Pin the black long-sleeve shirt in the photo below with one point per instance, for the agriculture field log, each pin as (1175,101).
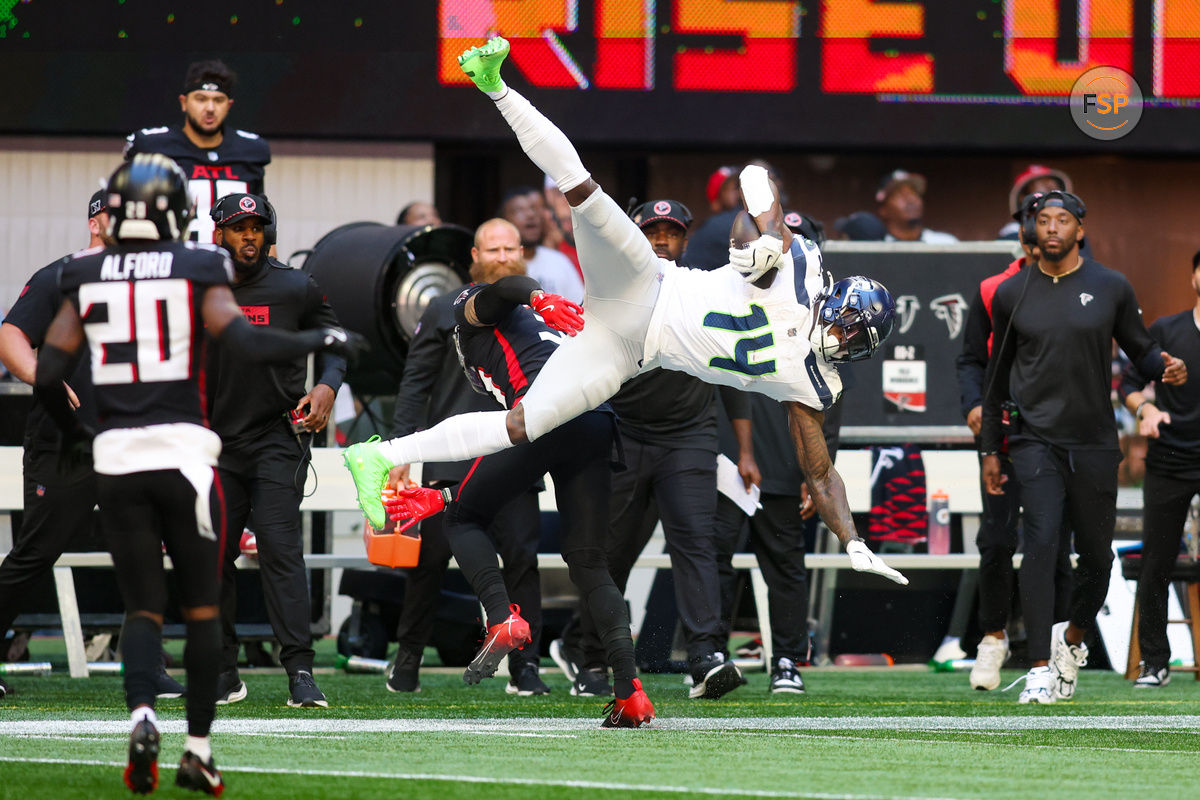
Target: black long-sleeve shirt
(433,386)
(1176,451)
(248,400)
(971,363)
(1056,362)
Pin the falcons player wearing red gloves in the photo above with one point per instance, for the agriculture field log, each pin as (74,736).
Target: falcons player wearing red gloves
(504,336)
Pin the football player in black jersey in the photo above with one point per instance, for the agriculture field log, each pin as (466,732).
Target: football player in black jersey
(264,461)
(216,161)
(506,332)
(140,310)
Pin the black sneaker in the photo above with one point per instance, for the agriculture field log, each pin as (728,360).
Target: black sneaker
(565,658)
(199,776)
(166,687)
(141,775)
(3,688)
(592,683)
(304,691)
(1152,677)
(403,676)
(230,688)
(713,677)
(785,678)
(526,682)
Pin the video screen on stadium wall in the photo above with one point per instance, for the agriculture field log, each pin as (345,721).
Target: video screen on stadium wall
(965,74)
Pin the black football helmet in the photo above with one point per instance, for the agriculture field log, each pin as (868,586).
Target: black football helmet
(148,199)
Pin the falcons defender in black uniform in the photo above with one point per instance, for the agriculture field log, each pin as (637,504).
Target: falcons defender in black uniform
(216,164)
(141,308)
(504,337)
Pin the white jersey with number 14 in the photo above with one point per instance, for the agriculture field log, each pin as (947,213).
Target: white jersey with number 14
(716,326)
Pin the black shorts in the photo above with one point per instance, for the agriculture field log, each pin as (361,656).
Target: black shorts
(139,514)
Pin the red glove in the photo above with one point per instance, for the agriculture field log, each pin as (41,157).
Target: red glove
(558,312)
(415,504)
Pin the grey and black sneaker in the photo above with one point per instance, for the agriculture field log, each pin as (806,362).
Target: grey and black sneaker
(713,677)
(166,687)
(141,774)
(525,681)
(1152,677)
(785,678)
(592,683)
(304,691)
(404,675)
(565,658)
(199,776)
(230,688)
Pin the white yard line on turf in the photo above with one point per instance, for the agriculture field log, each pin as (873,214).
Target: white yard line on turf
(491,779)
(876,739)
(325,725)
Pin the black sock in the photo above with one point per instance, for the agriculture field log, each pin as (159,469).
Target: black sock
(623,688)
(141,645)
(202,657)
(476,557)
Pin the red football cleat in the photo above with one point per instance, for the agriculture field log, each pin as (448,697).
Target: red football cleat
(502,638)
(141,775)
(632,712)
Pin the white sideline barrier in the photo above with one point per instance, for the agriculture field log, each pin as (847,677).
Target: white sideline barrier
(956,472)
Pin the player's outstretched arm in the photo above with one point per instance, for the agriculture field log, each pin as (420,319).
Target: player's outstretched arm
(827,490)
(225,323)
(756,257)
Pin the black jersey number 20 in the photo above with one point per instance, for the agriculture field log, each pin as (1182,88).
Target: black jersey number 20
(155,316)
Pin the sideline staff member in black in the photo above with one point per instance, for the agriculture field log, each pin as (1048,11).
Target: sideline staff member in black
(264,463)
(1054,326)
(1172,423)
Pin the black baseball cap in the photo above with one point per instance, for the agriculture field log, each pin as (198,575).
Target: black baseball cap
(808,227)
(97,204)
(658,210)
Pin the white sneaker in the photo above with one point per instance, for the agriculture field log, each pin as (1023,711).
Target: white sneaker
(1039,686)
(1066,659)
(993,652)
(949,650)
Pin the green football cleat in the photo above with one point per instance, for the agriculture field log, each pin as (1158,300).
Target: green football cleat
(370,469)
(482,64)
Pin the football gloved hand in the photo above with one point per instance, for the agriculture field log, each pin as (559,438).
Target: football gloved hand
(347,344)
(863,560)
(757,258)
(410,506)
(558,312)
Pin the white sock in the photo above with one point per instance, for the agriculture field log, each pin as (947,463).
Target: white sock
(200,746)
(456,438)
(143,712)
(542,141)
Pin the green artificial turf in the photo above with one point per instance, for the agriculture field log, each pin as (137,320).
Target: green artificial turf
(856,735)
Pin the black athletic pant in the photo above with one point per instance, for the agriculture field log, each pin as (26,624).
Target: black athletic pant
(1165,502)
(682,482)
(578,456)
(268,482)
(58,509)
(516,530)
(776,536)
(140,513)
(1082,484)
(997,541)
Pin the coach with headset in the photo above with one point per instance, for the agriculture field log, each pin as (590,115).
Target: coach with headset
(266,419)
(1054,325)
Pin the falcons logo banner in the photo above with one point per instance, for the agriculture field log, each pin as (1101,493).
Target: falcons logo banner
(907,306)
(951,309)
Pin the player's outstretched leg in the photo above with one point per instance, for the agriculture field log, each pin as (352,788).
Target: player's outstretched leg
(482,64)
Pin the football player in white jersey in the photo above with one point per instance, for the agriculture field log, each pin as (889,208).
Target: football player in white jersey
(767,322)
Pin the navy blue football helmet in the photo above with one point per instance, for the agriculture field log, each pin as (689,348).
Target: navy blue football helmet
(864,313)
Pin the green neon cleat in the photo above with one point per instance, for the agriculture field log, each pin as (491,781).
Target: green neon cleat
(370,469)
(482,64)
